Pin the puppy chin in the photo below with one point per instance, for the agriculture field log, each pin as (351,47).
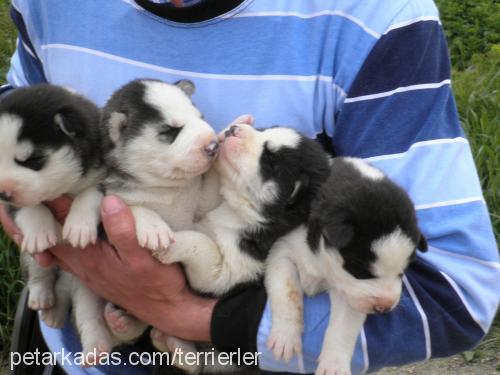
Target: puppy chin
(195,169)
(25,201)
(226,163)
(363,305)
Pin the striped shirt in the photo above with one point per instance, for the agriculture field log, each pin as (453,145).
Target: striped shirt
(370,78)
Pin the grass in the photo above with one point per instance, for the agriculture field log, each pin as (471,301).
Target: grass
(477,91)
(472,28)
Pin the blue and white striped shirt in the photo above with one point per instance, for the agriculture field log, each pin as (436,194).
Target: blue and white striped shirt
(371,76)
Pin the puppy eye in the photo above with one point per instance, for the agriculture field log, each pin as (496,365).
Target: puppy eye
(400,275)
(35,162)
(169,134)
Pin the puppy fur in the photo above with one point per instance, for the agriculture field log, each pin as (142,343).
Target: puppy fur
(360,237)
(50,144)
(160,150)
(268,181)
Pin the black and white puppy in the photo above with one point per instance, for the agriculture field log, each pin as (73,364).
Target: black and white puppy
(50,145)
(160,149)
(268,181)
(361,235)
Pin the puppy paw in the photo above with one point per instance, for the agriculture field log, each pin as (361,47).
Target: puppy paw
(40,298)
(153,233)
(123,325)
(333,366)
(80,232)
(39,239)
(167,343)
(167,256)
(95,350)
(54,317)
(285,340)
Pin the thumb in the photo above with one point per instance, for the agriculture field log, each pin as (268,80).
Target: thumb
(119,225)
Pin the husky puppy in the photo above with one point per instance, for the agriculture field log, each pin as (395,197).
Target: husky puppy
(361,235)
(160,149)
(268,180)
(50,145)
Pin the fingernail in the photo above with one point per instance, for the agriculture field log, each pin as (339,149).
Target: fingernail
(112,205)
(18,239)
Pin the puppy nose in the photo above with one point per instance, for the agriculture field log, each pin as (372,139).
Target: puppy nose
(234,130)
(381,309)
(6,196)
(211,149)
(383,305)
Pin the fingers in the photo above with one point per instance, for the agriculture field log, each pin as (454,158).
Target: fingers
(44,259)
(60,207)
(120,228)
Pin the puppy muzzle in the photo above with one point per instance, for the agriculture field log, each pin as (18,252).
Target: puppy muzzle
(6,196)
(212,149)
(233,131)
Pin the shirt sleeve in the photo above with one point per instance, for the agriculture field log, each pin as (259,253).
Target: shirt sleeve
(400,115)
(25,66)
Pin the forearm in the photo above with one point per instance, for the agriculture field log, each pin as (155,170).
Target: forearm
(191,320)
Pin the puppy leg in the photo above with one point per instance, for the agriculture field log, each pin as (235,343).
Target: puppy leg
(40,283)
(80,227)
(286,299)
(89,320)
(125,327)
(340,337)
(39,227)
(179,351)
(200,256)
(56,315)
(152,231)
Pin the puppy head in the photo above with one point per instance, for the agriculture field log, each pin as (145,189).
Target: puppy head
(271,171)
(46,136)
(365,228)
(157,134)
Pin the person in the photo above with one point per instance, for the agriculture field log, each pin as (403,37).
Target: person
(365,78)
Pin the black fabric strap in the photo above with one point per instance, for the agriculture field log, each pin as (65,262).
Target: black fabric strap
(236,318)
(198,12)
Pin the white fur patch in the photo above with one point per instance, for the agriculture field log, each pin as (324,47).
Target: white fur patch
(365,169)
(280,137)
(23,150)
(10,125)
(171,101)
(393,252)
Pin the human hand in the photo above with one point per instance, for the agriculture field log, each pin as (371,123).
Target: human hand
(130,277)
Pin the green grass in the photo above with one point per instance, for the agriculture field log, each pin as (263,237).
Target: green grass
(477,92)
(473,31)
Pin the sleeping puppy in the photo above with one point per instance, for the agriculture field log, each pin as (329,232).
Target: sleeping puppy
(160,150)
(268,180)
(360,237)
(50,145)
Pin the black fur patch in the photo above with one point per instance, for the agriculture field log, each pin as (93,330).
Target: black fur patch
(38,106)
(129,100)
(307,164)
(351,211)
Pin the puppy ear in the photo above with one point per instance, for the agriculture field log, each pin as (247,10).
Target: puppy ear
(422,243)
(69,120)
(338,233)
(116,123)
(243,119)
(299,189)
(187,86)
